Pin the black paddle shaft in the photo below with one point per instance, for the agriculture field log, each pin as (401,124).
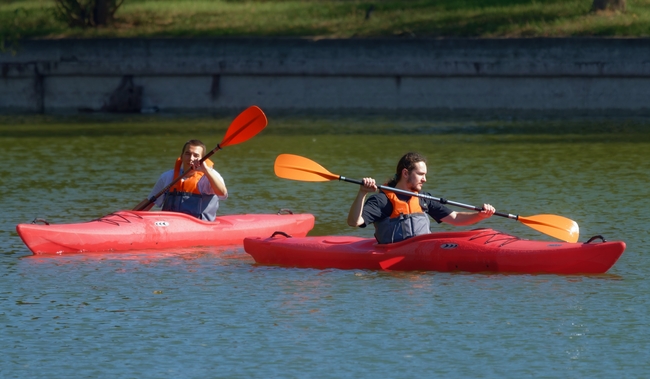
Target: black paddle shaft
(440,200)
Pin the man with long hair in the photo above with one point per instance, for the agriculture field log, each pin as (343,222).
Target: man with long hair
(397,217)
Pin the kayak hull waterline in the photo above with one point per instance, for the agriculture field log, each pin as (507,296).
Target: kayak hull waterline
(139,230)
(479,250)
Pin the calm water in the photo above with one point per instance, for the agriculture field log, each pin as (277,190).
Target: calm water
(210,312)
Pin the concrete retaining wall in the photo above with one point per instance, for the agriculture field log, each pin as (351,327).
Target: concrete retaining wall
(212,75)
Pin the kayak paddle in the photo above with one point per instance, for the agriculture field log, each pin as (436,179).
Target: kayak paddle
(295,167)
(244,127)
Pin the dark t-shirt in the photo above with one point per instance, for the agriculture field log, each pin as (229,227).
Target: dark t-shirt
(378,207)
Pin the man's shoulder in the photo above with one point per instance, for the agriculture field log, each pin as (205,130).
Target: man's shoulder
(379,201)
(166,176)
(429,201)
(379,197)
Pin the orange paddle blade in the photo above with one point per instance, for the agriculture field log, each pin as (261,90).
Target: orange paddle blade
(295,167)
(245,126)
(556,226)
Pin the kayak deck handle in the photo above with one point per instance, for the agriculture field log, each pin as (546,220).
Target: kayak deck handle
(279,232)
(595,238)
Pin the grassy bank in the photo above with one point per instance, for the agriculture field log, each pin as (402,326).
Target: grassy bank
(335,19)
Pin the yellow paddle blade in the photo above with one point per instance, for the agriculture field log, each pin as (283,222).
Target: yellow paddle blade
(556,226)
(295,167)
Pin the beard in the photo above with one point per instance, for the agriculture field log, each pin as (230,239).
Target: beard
(415,187)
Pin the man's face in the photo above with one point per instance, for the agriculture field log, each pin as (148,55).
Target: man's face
(417,177)
(191,153)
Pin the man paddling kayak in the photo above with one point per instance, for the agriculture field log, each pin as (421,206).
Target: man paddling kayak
(199,192)
(397,217)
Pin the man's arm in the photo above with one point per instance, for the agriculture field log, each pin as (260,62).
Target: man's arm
(469,218)
(214,178)
(354,215)
(163,181)
(216,182)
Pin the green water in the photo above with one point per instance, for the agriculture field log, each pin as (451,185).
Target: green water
(213,313)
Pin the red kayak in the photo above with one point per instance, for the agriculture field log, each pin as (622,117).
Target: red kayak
(137,230)
(479,250)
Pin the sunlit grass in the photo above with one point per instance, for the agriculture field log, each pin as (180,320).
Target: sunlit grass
(336,18)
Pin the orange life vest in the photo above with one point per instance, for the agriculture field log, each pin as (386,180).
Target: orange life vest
(406,220)
(190,183)
(403,207)
(185,197)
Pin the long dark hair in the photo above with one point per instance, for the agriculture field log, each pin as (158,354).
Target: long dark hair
(408,161)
